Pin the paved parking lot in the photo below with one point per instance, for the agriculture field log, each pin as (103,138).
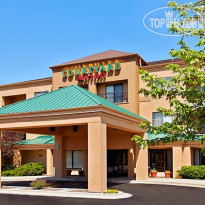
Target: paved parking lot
(143,194)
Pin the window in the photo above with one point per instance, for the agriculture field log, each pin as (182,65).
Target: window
(74,160)
(201,89)
(159,119)
(199,159)
(168,79)
(114,93)
(40,93)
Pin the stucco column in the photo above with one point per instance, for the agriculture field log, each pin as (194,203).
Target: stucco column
(85,162)
(49,162)
(0,157)
(131,164)
(177,160)
(186,156)
(133,86)
(97,157)
(60,170)
(142,161)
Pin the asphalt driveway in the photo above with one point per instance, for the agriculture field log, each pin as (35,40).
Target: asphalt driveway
(142,195)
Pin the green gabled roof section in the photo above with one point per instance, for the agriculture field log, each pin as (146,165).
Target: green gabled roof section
(47,139)
(68,97)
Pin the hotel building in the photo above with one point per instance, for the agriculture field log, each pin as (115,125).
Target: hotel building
(82,119)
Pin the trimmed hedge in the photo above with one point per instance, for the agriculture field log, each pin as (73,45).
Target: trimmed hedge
(192,172)
(30,169)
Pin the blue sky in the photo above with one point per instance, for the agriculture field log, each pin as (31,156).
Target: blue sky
(37,34)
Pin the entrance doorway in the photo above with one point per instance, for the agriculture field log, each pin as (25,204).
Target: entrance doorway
(117,163)
(160,159)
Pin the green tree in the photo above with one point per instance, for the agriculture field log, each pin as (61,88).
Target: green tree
(185,92)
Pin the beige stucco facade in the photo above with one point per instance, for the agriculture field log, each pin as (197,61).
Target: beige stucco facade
(99,130)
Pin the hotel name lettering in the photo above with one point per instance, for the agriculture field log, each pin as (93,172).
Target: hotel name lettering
(94,72)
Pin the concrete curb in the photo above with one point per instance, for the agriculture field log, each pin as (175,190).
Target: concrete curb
(22,178)
(60,192)
(170,183)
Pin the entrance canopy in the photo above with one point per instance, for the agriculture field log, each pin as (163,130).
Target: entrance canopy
(69,105)
(57,112)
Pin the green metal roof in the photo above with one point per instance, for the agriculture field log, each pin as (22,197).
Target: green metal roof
(152,136)
(68,97)
(40,140)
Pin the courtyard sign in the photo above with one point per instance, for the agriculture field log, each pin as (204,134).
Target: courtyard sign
(86,73)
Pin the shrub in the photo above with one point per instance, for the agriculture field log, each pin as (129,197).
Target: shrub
(111,191)
(30,169)
(7,167)
(38,184)
(192,172)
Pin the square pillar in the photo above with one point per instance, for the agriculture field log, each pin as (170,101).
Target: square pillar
(97,157)
(142,161)
(60,158)
(177,160)
(131,163)
(186,156)
(49,162)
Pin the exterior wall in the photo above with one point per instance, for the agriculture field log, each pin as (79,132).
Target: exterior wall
(20,91)
(148,105)
(34,156)
(128,72)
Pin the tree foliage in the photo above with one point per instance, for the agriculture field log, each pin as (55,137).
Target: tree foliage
(185,92)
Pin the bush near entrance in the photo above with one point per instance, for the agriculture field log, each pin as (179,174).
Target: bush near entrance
(30,169)
(192,172)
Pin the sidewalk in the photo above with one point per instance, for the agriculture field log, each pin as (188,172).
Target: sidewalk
(62,192)
(174,182)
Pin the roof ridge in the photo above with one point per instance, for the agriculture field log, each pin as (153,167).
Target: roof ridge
(87,93)
(103,55)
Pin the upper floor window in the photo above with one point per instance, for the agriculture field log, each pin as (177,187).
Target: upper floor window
(114,93)
(40,93)
(159,119)
(168,79)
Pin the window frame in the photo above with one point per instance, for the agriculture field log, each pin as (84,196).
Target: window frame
(115,93)
(41,93)
(162,118)
(72,157)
